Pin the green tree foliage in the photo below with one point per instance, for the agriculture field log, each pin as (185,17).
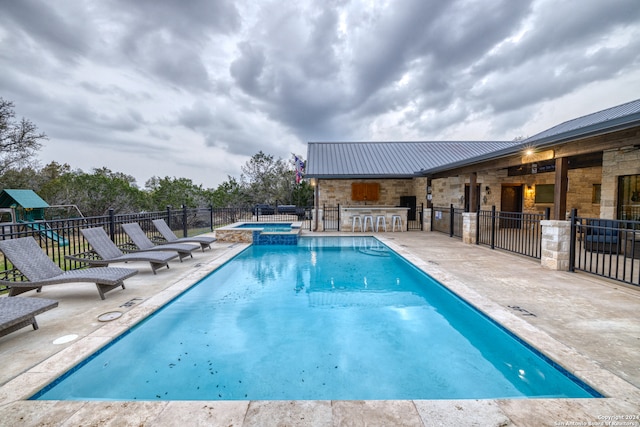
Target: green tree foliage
(19,139)
(94,193)
(230,194)
(260,178)
(264,179)
(175,192)
(303,194)
(269,180)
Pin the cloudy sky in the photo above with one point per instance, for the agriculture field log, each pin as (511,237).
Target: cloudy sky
(195,88)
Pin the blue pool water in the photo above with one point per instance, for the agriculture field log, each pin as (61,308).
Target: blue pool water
(328,319)
(267,226)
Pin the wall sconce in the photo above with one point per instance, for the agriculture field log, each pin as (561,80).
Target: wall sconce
(529,190)
(487,189)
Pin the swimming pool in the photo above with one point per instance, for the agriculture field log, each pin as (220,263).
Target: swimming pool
(279,322)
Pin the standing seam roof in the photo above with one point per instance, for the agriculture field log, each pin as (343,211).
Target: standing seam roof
(400,159)
(600,119)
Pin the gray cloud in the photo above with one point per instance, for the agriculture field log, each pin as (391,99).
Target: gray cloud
(64,34)
(191,85)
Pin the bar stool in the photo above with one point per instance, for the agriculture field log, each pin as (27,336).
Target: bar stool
(358,219)
(383,220)
(396,219)
(367,219)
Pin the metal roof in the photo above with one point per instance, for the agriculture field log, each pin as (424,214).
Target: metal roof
(407,159)
(390,159)
(620,116)
(25,198)
(612,119)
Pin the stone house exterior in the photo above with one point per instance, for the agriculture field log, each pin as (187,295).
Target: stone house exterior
(591,163)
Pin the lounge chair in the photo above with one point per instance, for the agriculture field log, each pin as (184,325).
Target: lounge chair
(142,242)
(26,255)
(110,253)
(170,237)
(16,313)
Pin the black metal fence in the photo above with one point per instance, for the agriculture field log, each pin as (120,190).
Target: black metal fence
(447,220)
(516,232)
(606,247)
(415,220)
(62,237)
(331,218)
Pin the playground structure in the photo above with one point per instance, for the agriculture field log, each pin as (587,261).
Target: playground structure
(24,208)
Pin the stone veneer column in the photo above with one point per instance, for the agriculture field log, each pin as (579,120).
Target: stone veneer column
(426,219)
(556,239)
(469,225)
(313,219)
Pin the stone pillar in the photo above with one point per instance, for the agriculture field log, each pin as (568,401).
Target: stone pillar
(469,225)
(426,219)
(556,241)
(319,219)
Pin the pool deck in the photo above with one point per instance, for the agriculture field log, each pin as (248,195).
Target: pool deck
(589,325)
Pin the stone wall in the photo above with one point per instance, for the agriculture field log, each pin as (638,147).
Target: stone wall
(447,191)
(616,163)
(338,191)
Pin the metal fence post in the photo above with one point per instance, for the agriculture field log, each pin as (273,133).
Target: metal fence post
(547,213)
(572,242)
(338,216)
(478,227)
(169,215)
(112,224)
(324,214)
(451,220)
(184,220)
(211,217)
(433,214)
(493,227)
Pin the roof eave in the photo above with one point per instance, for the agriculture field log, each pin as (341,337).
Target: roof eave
(596,129)
(362,176)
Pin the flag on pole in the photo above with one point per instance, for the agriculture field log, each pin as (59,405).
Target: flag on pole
(299,163)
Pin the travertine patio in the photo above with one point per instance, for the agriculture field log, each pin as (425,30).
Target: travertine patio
(587,324)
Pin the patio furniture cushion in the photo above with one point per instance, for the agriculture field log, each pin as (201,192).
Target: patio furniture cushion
(602,235)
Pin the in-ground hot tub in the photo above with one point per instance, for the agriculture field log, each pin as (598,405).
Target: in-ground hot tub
(260,233)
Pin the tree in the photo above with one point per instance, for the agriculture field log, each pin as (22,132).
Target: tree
(175,192)
(303,194)
(230,194)
(259,177)
(19,140)
(94,193)
(268,180)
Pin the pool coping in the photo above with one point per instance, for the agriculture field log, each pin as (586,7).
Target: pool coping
(621,395)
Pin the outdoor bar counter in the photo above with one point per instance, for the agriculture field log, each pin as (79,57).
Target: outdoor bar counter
(347,213)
